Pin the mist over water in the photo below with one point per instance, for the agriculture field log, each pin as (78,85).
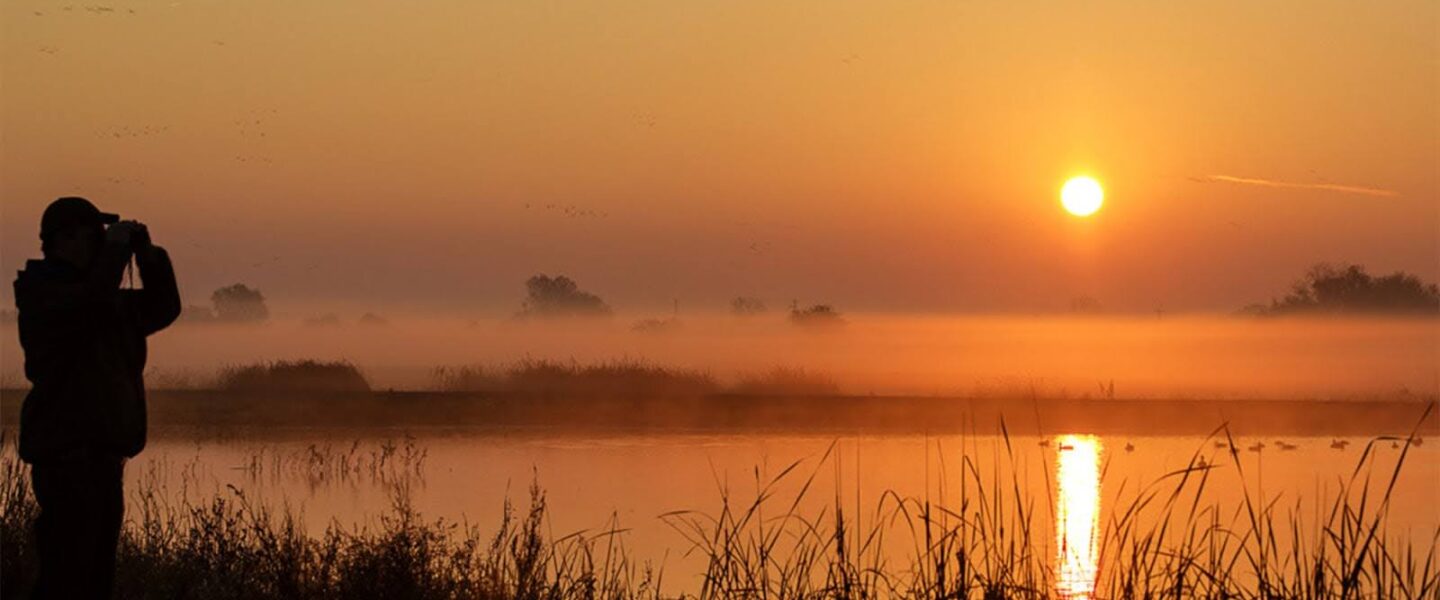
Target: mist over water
(1213,357)
(1075,480)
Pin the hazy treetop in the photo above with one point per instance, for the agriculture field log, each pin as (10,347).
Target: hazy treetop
(1330,288)
(239,303)
(559,296)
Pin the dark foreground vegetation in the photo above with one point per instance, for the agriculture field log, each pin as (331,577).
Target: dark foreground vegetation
(230,547)
(990,540)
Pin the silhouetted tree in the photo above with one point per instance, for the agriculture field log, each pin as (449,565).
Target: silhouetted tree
(1085,305)
(239,304)
(746,306)
(373,319)
(559,296)
(1349,289)
(817,315)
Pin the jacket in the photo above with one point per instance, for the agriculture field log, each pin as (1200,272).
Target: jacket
(85,351)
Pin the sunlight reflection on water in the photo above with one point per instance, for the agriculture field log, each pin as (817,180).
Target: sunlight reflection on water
(1077,515)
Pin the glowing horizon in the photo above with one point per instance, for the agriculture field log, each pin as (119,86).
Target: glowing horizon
(897,159)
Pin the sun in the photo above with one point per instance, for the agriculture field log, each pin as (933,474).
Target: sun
(1082,196)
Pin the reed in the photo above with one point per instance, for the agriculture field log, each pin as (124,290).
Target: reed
(630,378)
(231,547)
(322,463)
(983,534)
(543,377)
(1167,540)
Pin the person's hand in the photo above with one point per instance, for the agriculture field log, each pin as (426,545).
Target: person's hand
(120,233)
(127,233)
(140,237)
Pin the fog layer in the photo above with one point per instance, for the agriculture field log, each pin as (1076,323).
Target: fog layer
(1074,357)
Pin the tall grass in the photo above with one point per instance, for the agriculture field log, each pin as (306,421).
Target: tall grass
(1167,540)
(231,547)
(786,381)
(981,533)
(630,378)
(618,378)
(319,464)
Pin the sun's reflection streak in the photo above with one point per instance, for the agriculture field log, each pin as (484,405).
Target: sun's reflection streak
(1077,515)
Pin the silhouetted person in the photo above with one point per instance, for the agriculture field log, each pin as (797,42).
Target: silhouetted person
(84,342)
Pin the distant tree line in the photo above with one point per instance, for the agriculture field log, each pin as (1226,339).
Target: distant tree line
(546,297)
(1349,289)
(555,297)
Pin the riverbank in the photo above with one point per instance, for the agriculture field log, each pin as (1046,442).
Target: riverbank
(735,413)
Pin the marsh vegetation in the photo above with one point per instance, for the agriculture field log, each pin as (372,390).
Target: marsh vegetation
(979,531)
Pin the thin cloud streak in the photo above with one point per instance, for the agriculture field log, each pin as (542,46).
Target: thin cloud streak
(1328,187)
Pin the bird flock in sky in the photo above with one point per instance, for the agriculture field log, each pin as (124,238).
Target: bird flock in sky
(252,133)
(569,211)
(94,9)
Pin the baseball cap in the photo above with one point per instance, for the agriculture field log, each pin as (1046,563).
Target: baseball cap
(72,211)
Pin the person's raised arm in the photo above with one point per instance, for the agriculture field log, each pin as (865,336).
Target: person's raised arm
(160,298)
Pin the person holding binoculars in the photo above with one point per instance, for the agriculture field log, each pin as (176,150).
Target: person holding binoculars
(84,339)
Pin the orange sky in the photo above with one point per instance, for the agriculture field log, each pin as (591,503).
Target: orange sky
(875,155)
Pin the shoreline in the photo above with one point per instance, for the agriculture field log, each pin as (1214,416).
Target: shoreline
(516,412)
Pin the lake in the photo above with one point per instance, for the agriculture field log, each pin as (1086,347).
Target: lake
(1008,430)
(1076,483)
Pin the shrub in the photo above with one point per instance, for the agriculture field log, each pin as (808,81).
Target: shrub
(294,376)
(818,315)
(373,319)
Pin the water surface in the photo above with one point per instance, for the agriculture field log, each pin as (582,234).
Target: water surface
(1073,482)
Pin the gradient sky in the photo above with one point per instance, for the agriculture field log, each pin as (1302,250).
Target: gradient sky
(889,156)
